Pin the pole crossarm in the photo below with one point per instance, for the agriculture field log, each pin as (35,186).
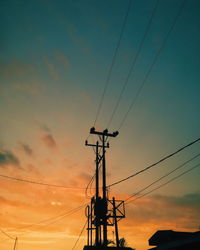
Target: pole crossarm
(100,215)
(104,133)
(94,145)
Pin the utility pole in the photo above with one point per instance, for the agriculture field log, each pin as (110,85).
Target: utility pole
(103,137)
(102,212)
(101,206)
(115,221)
(15,245)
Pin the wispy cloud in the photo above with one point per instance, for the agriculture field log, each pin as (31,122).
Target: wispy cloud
(49,141)
(26,149)
(52,69)
(178,212)
(76,37)
(61,58)
(15,67)
(8,158)
(47,137)
(31,87)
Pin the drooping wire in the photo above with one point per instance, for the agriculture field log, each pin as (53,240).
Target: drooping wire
(91,188)
(51,220)
(89,185)
(112,63)
(37,182)
(134,60)
(162,185)
(79,235)
(6,234)
(162,177)
(156,163)
(152,65)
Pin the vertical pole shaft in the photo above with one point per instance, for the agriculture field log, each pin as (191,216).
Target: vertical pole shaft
(91,209)
(104,193)
(116,225)
(15,245)
(97,194)
(97,170)
(88,229)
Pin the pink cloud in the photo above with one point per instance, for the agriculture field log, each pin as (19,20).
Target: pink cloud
(49,141)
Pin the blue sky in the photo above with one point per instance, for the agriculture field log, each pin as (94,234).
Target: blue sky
(54,60)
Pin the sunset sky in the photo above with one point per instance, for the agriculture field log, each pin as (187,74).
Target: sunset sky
(55,57)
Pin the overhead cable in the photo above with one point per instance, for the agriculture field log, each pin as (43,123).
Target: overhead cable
(8,235)
(79,235)
(37,182)
(156,163)
(51,220)
(135,58)
(113,62)
(152,64)
(89,184)
(162,185)
(162,177)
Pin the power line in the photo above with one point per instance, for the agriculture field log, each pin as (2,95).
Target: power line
(87,187)
(79,235)
(38,183)
(162,177)
(152,65)
(162,185)
(156,163)
(52,220)
(133,63)
(67,214)
(8,235)
(58,219)
(112,63)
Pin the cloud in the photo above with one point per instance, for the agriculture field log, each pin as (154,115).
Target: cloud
(26,149)
(49,141)
(83,178)
(61,58)
(47,137)
(52,69)
(188,200)
(166,211)
(45,128)
(15,68)
(22,76)
(33,170)
(77,38)
(8,158)
(32,87)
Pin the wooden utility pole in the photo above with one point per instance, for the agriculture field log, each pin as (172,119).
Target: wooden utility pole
(102,212)
(101,206)
(15,245)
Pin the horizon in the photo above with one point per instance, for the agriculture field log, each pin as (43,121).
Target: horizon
(64,67)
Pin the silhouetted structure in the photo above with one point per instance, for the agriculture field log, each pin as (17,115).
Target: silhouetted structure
(102,211)
(168,239)
(106,248)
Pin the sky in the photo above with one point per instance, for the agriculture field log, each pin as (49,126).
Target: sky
(55,58)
